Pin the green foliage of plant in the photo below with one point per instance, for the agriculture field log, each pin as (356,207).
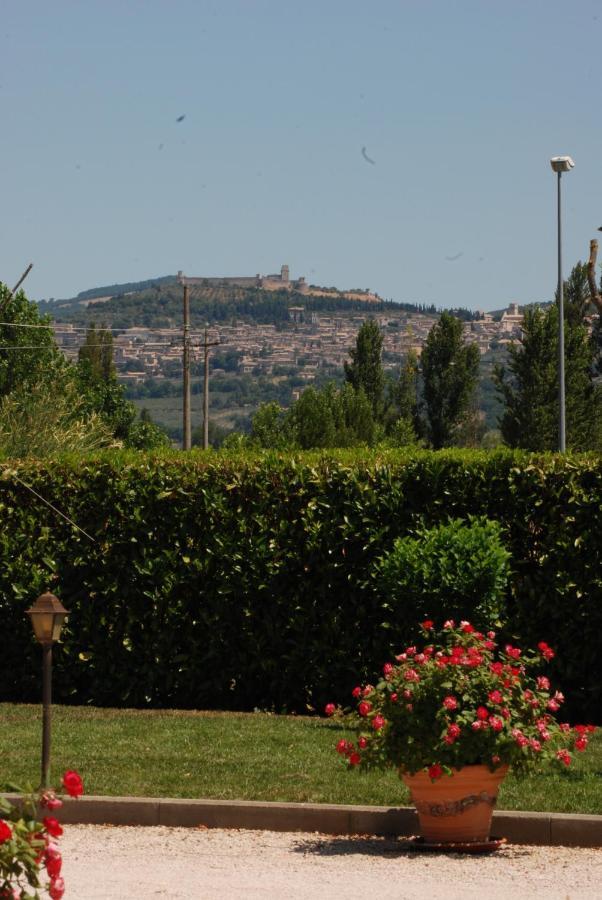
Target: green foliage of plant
(41,420)
(234,581)
(455,570)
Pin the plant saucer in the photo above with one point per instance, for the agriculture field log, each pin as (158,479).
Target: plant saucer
(418,844)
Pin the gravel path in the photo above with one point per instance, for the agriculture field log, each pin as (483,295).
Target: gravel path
(102,862)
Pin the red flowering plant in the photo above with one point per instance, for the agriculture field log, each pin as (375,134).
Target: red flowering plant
(460,700)
(28,850)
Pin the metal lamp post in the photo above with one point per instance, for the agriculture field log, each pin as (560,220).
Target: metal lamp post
(47,616)
(561,164)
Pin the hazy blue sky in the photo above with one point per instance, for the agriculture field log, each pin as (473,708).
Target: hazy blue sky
(459,104)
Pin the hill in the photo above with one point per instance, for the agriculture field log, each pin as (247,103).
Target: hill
(157,303)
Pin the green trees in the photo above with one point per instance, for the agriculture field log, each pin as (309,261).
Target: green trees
(30,353)
(528,383)
(48,405)
(449,376)
(365,369)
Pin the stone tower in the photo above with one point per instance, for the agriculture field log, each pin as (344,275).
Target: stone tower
(284,274)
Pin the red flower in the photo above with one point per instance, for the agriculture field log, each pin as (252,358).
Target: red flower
(5,832)
(450,702)
(449,624)
(482,713)
(535,745)
(553,705)
(329,709)
(453,732)
(387,669)
(512,652)
(378,722)
(53,862)
(362,743)
(496,723)
(74,785)
(50,800)
(364,708)
(435,771)
(496,697)
(355,759)
(564,756)
(497,668)
(341,746)
(393,698)
(356,692)
(546,651)
(543,683)
(52,826)
(428,624)
(57,888)
(467,628)
(581,743)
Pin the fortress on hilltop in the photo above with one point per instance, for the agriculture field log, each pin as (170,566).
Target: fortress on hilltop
(266,282)
(278,282)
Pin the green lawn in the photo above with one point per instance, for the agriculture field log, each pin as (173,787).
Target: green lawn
(254,756)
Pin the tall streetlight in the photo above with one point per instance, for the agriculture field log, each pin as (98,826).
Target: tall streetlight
(561,164)
(47,616)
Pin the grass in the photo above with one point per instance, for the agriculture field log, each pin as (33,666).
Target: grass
(241,756)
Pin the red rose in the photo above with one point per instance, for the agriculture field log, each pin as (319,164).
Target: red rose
(387,669)
(73,783)
(362,743)
(513,652)
(50,800)
(341,746)
(496,697)
(53,862)
(450,702)
(5,832)
(482,713)
(435,771)
(466,627)
(496,723)
(52,826)
(378,722)
(581,743)
(329,709)
(564,756)
(355,759)
(427,624)
(57,888)
(356,692)
(364,708)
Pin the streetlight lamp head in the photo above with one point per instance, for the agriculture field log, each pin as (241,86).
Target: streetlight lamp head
(47,616)
(562,163)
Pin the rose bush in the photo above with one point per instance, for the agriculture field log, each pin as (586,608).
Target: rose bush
(460,700)
(27,845)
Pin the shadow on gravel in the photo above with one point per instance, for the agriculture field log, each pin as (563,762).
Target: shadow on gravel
(375,846)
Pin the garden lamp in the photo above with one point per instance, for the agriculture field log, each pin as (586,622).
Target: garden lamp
(47,616)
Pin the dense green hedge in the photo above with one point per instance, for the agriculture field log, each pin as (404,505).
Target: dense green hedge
(228,583)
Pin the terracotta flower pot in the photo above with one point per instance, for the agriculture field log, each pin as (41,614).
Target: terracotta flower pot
(456,808)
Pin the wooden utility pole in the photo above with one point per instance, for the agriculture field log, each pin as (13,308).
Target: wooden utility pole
(186,424)
(594,294)
(206,345)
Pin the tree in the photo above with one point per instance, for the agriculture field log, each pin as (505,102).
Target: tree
(402,417)
(449,375)
(528,385)
(31,353)
(268,427)
(97,353)
(365,369)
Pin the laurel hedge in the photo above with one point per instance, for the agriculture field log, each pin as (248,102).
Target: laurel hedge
(214,581)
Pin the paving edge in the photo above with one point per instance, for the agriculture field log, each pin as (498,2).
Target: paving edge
(546,829)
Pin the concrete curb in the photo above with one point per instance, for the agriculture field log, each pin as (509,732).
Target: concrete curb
(546,829)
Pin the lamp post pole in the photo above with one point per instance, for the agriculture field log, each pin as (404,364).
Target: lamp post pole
(561,388)
(559,165)
(47,616)
(46,708)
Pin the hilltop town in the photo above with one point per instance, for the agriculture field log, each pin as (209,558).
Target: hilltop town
(309,341)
